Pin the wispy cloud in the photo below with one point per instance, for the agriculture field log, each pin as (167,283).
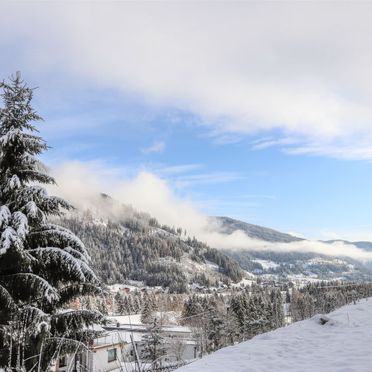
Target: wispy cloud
(156,147)
(345,149)
(271,142)
(177,169)
(300,68)
(206,178)
(361,233)
(255,196)
(357,151)
(214,205)
(186,175)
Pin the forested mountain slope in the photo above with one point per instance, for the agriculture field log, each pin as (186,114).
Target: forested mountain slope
(229,225)
(135,246)
(127,244)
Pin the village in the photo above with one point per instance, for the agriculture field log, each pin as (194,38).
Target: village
(163,342)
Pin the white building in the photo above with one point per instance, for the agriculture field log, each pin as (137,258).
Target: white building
(116,349)
(108,353)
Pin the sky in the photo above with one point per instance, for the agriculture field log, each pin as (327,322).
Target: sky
(260,111)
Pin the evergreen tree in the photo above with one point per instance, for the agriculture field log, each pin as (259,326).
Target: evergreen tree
(215,327)
(287,297)
(154,344)
(42,266)
(147,313)
(231,327)
(101,305)
(239,310)
(278,310)
(120,304)
(192,310)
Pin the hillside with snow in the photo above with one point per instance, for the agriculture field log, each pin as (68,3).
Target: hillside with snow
(131,245)
(338,342)
(300,263)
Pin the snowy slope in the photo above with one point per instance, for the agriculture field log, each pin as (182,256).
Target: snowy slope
(131,245)
(343,344)
(293,265)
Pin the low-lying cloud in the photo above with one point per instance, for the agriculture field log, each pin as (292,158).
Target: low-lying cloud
(82,183)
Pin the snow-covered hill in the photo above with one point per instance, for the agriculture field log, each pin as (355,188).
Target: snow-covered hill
(342,344)
(293,264)
(130,245)
(229,225)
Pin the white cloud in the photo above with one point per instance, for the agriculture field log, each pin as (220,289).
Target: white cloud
(360,150)
(179,169)
(206,178)
(82,183)
(238,240)
(265,143)
(155,147)
(362,233)
(245,67)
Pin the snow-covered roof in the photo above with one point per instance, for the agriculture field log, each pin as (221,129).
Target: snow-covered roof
(135,286)
(143,328)
(116,337)
(134,319)
(133,322)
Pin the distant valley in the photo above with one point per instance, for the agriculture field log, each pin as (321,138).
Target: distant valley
(292,265)
(131,245)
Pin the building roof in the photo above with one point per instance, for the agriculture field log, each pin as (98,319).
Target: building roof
(117,337)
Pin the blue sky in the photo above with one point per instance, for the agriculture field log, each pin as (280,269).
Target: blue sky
(308,195)
(272,129)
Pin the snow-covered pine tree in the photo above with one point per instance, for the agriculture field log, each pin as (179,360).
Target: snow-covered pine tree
(278,310)
(147,313)
(231,326)
(42,266)
(192,311)
(215,327)
(119,303)
(154,345)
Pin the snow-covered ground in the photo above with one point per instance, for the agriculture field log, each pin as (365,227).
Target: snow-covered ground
(266,264)
(343,344)
(126,319)
(165,318)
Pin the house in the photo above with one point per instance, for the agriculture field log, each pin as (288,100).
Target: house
(108,353)
(179,341)
(117,348)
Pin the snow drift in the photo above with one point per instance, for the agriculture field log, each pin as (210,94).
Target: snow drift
(338,342)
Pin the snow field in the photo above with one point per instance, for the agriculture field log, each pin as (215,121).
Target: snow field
(343,344)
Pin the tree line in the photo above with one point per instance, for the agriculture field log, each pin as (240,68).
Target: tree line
(219,320)
(324,297)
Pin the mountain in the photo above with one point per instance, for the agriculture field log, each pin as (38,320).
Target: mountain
(367,246)
(340,341)
(128,245)
(291,264)
(229,225)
